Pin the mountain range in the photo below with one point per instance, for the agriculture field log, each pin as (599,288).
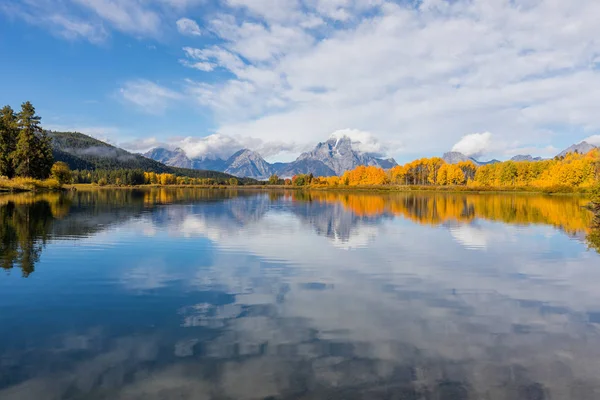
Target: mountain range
(581,148)
(332,157)
(329,158)
(83,152)
(454,157)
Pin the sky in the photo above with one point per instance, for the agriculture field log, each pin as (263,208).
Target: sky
(407,78)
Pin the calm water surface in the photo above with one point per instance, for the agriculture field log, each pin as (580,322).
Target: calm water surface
(214,294)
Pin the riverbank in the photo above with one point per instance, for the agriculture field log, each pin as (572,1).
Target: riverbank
(18,185)
(560,190)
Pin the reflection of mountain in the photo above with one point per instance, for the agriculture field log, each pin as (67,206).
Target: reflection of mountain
(269,309)
(348,220)
(336,221)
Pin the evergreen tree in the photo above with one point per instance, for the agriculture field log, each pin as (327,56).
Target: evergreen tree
(33,153)
(8,141)
(44,158)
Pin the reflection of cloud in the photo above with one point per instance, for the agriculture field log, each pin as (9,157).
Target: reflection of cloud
(195,225)
(148,274)
(469,236)
(209,315)
(359,237)
(397,315)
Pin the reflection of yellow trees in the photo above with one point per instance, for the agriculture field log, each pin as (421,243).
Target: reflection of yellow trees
(568,214)
(158,196)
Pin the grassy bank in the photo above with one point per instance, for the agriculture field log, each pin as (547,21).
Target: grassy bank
(28,185)
(556,190)
(90,186)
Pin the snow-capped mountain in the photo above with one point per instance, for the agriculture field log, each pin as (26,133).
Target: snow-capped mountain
(333,157)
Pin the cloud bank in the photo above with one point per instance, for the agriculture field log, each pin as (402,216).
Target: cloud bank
(422,75)
(419,76)
(474,145)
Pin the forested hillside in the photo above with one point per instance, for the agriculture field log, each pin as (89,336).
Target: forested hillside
(82,152)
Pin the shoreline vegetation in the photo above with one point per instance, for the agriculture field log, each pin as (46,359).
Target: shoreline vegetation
(27,164)
(30,216)
(564,190)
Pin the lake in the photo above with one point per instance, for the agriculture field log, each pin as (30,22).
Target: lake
(225,294)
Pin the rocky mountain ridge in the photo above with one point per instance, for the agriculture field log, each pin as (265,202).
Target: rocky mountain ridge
(454,157)
(332,157)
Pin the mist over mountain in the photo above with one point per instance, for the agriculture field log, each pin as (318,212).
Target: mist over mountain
(83,152)
(332,157)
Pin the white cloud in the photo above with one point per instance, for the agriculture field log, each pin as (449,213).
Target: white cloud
(211,146)
(56,20)
(148,96)
(188,27)
(418,74)
(130,16)
(141,145)
(593,140)
(270,10)
(222,146)
(75,29)
(474,145)
(365,142)
(421,75)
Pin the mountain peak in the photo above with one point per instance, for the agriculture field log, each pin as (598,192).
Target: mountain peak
(246,162)
(581,148)
(338,154)
(527,157)
(332,157)
(455,157)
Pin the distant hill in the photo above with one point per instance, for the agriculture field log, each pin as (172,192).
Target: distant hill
(332,157)
(83,152)
(581,148)
(455,157)
(526,158)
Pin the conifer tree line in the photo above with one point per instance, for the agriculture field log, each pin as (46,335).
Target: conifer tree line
(25,148)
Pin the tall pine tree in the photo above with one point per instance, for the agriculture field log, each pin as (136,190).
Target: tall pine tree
(33,153)
(8,141)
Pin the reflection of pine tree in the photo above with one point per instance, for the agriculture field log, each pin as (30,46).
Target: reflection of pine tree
(593,238)
(24,229)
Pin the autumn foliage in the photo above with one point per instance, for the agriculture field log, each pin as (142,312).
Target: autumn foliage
(578,171)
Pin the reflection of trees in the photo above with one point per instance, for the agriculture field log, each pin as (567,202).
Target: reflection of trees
(565,213)
(593,238)
(24,229)
(26,221)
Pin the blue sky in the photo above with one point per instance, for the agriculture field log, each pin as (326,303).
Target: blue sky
(492,78)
